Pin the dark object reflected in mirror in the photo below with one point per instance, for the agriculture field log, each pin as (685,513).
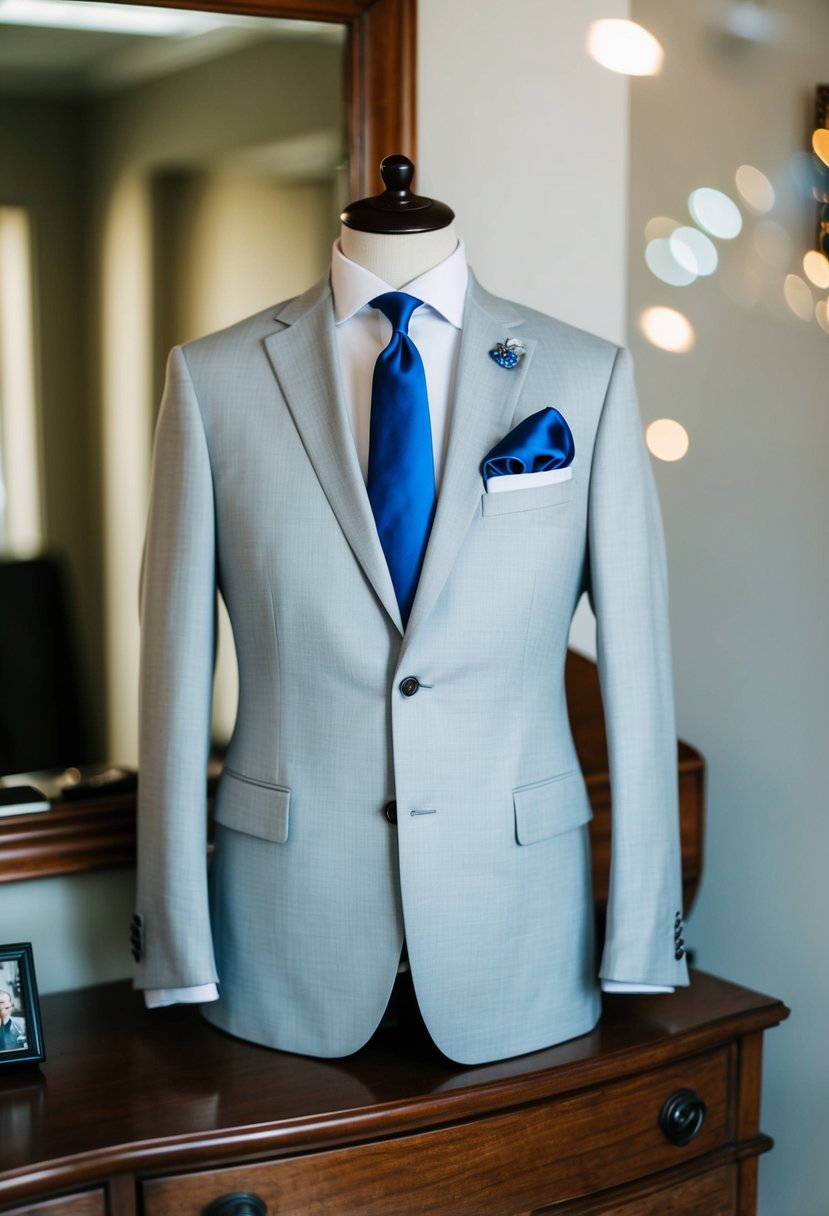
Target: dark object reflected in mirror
(43,715)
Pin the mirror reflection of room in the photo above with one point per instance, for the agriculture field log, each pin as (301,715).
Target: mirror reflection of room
(145,198)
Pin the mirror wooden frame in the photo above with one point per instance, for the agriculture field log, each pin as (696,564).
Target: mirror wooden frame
(380,107)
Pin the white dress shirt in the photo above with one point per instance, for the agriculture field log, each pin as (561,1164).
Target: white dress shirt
(362,332)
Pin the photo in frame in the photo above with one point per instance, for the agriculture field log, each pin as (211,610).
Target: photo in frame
(21,1035)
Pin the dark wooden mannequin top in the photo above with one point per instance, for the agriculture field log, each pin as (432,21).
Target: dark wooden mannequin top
(397,210)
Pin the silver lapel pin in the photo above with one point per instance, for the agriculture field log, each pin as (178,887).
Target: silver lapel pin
(508,354)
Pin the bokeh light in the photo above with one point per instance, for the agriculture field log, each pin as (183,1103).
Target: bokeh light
(667,439)
(624,46)
(662,262)
(659,227)
(820,143)
(755,188)
(668,329)
(773,244)
(740,281)
(751,21)
(810,175)
(715,212)
(822,314)
(816,268)
(694,251)
(798,296)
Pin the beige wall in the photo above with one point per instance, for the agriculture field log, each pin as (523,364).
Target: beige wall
(745,518)
(526,138)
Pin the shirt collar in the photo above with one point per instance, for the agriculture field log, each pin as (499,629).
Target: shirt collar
(443,287)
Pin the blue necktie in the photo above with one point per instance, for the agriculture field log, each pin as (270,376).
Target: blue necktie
(401,471)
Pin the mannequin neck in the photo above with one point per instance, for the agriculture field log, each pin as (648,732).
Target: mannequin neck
(397,258)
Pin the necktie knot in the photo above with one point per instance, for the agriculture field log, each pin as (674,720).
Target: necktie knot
(398,307)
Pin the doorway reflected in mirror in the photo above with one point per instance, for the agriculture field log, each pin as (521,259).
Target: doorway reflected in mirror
(173,180)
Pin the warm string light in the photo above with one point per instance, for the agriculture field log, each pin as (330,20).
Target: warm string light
(816,268)
(625,47)
(755,189)
(668,329)
(679,254)
(667,439)
(820,144)
(798,296)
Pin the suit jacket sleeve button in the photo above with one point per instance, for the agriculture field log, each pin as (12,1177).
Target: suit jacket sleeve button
(137,937)
(679,953)
(390,811)
(409,686)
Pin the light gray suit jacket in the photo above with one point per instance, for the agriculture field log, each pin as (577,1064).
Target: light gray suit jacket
(257,492)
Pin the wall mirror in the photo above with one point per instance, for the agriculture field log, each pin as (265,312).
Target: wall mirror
(164,171)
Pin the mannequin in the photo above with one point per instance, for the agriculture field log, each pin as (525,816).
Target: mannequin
(397,235)
(389,780)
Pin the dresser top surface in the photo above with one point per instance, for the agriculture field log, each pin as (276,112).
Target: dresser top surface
(123,1086)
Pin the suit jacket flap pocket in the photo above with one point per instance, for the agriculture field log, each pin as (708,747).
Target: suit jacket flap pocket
(251,806)
(547,808)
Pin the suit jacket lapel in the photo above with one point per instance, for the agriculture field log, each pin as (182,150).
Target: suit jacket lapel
(306,363)
(486,398)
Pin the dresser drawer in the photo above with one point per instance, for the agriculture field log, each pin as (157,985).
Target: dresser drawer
(711,1194)
(525,1158)
(89,1203)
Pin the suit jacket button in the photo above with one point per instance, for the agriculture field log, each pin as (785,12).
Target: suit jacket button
(409,686)
(679,953)
(390,811)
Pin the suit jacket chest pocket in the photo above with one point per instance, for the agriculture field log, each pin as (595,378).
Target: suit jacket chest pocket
(539,498)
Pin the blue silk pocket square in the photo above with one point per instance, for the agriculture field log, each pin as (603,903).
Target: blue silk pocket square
(541,442)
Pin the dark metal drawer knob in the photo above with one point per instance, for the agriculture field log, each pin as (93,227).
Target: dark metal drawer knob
(241,1203)
(682,1116)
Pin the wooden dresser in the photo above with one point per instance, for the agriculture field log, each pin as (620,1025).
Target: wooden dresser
(158,1113)
(136,1113)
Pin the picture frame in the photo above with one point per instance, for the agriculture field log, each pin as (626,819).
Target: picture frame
(21,1033)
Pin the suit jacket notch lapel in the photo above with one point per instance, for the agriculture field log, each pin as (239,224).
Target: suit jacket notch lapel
(486,398)
(306,364)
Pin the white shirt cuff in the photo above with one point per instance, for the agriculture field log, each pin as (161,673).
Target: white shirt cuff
(156,998)
(623,986)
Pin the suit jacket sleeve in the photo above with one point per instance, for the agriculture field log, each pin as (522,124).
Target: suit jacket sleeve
(178,605)
(628,590)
